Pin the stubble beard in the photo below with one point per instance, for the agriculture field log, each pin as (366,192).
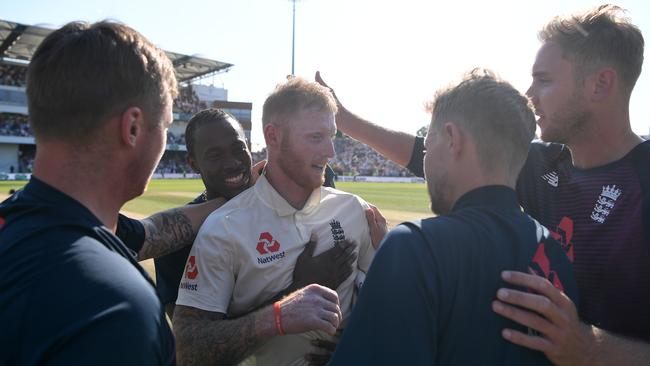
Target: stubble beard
(567,123)
(438,188)
(292,164)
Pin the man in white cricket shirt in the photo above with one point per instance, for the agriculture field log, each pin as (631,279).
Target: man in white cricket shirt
(245,251)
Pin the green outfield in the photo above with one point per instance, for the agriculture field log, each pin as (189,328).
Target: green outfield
(398,201)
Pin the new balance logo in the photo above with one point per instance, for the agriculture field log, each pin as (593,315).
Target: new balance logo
(551,178)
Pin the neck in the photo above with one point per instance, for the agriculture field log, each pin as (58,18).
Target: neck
(470,179)
(81,177)
(294,194)
(607,139)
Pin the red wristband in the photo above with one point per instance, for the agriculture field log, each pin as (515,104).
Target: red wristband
(278,318)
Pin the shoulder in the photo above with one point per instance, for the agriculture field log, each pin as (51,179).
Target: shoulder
(66,264)
(342,196)
(547,152)
(235,206)
(417,233)
(131,232)
(640,155)
(439,236)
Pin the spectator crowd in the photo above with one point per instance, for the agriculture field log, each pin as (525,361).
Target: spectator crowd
(14,125)
(12,75)
(188,102)
(352,157)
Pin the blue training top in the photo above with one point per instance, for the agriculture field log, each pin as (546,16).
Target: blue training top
(427,297)
(70,291)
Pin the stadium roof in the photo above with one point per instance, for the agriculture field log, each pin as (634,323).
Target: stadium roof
(18,42)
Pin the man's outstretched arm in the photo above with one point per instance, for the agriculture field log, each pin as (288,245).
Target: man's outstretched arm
(173,229)
(394,145)
(207,338)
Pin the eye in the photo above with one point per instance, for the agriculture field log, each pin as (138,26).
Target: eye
(541,80)
(238,149)
(214,155)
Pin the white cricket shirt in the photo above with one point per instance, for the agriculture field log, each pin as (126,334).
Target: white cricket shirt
(245,253)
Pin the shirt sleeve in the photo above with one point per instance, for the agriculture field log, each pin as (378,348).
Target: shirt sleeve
(208,279)
(393,322)
(416,164)
(131,232)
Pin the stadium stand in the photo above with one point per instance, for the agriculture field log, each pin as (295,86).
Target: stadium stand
(188,102)
(12,75)
(173,162)
(355,158)
(14,125)
(17,43)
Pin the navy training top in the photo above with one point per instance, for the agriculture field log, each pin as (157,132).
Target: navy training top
(601,216)
(427,297)
(70,291)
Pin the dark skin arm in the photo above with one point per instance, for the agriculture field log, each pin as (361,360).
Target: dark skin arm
(328,269)
(378,228)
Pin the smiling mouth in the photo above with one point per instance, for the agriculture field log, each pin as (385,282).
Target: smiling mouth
(236,181)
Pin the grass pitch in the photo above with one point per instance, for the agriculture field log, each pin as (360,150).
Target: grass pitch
(398,202)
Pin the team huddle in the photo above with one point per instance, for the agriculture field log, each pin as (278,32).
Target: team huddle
(539,252)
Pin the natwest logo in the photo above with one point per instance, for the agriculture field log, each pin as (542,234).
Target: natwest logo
(267,244)
(191,269)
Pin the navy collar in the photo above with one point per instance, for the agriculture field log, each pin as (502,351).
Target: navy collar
(493,196)
(46,195)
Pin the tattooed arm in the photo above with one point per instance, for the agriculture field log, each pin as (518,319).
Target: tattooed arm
(173,229)
(207,338)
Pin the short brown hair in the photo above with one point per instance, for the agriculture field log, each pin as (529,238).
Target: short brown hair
(294,95)
(599,37)
(499,119)
(82,74)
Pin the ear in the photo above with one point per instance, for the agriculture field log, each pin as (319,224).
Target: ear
(131,125)
(455,138)
(605,81)
(272,135)
(192,162)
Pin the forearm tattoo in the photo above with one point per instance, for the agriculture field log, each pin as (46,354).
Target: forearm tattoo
(166,232)
(206,338)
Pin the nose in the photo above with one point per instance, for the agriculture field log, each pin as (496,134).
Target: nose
(330,149)
(230,163)
(529,92)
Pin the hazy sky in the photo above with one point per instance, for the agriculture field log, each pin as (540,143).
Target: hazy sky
(384,59)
